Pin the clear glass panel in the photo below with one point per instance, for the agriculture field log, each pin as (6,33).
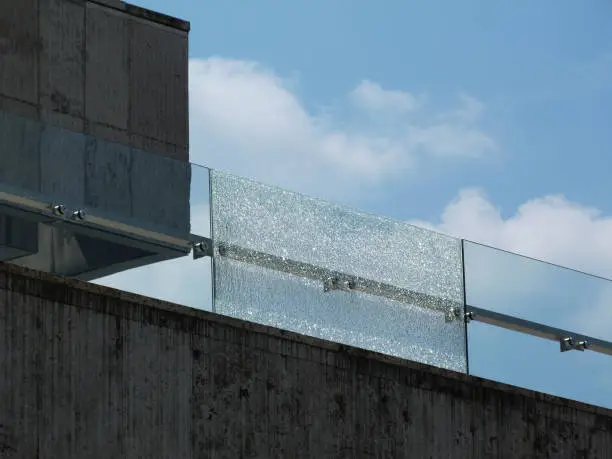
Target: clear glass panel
(79,206)
(182,280)
(541,292)
(53,165)
(533,363)
(313,267)
(200,200)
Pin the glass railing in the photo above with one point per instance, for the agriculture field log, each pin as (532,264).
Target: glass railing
(186,280)
(508,283)
(316,268)
(278,258)
(558,311)
(78,206)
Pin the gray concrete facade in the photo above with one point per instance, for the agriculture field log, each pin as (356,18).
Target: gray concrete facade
(90,372)
(100,67)
(93,117)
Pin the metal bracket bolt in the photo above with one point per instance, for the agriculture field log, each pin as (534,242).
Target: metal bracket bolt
(453,314)
(78,214)
(333,283)
(222,250)
(202,249)
(58,209)
(348,285)
(469,316)
(329,284)
(568,344)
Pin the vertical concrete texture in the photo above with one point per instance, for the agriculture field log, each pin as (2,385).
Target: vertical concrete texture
(89,372)
(94,110)
(100,67)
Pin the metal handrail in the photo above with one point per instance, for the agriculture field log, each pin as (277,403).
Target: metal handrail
(453,310)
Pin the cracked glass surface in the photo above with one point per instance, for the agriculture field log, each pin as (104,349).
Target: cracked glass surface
(309,266)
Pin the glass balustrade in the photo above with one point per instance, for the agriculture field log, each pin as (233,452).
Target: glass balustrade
(214,241)
(323,270)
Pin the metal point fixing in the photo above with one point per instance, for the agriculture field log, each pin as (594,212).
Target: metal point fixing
(329,284)
(452,314)
(59,209)
(201,249)
(569,344)
(78,214)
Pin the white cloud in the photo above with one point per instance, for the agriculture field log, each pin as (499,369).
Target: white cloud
(372,97)
(552,229)
(247,120)
(469,112)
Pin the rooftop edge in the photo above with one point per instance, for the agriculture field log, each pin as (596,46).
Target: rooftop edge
(147,14)
(350,352)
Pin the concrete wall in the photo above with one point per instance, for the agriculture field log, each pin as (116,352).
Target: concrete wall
(93,116)
(100,67)
(88,372)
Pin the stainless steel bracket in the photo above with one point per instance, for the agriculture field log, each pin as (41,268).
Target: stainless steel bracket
(337,281)
(568,341)
(201,247)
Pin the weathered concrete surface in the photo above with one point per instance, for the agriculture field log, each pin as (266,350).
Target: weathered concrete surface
(103,67)
(89,372)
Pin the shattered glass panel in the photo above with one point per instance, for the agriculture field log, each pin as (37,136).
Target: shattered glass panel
(320,269)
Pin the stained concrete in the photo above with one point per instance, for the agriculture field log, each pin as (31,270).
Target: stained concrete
(61,166)
(20,152)
(90,372)
(100,67)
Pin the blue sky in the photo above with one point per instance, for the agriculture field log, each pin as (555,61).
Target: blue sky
(485,120)
(543,69)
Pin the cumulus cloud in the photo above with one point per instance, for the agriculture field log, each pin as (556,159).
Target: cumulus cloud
(549,228)
(372,97)
(248,120)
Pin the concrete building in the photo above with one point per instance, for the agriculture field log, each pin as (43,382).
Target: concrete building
(93,110)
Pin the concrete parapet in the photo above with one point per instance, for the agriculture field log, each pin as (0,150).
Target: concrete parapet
(91,372)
